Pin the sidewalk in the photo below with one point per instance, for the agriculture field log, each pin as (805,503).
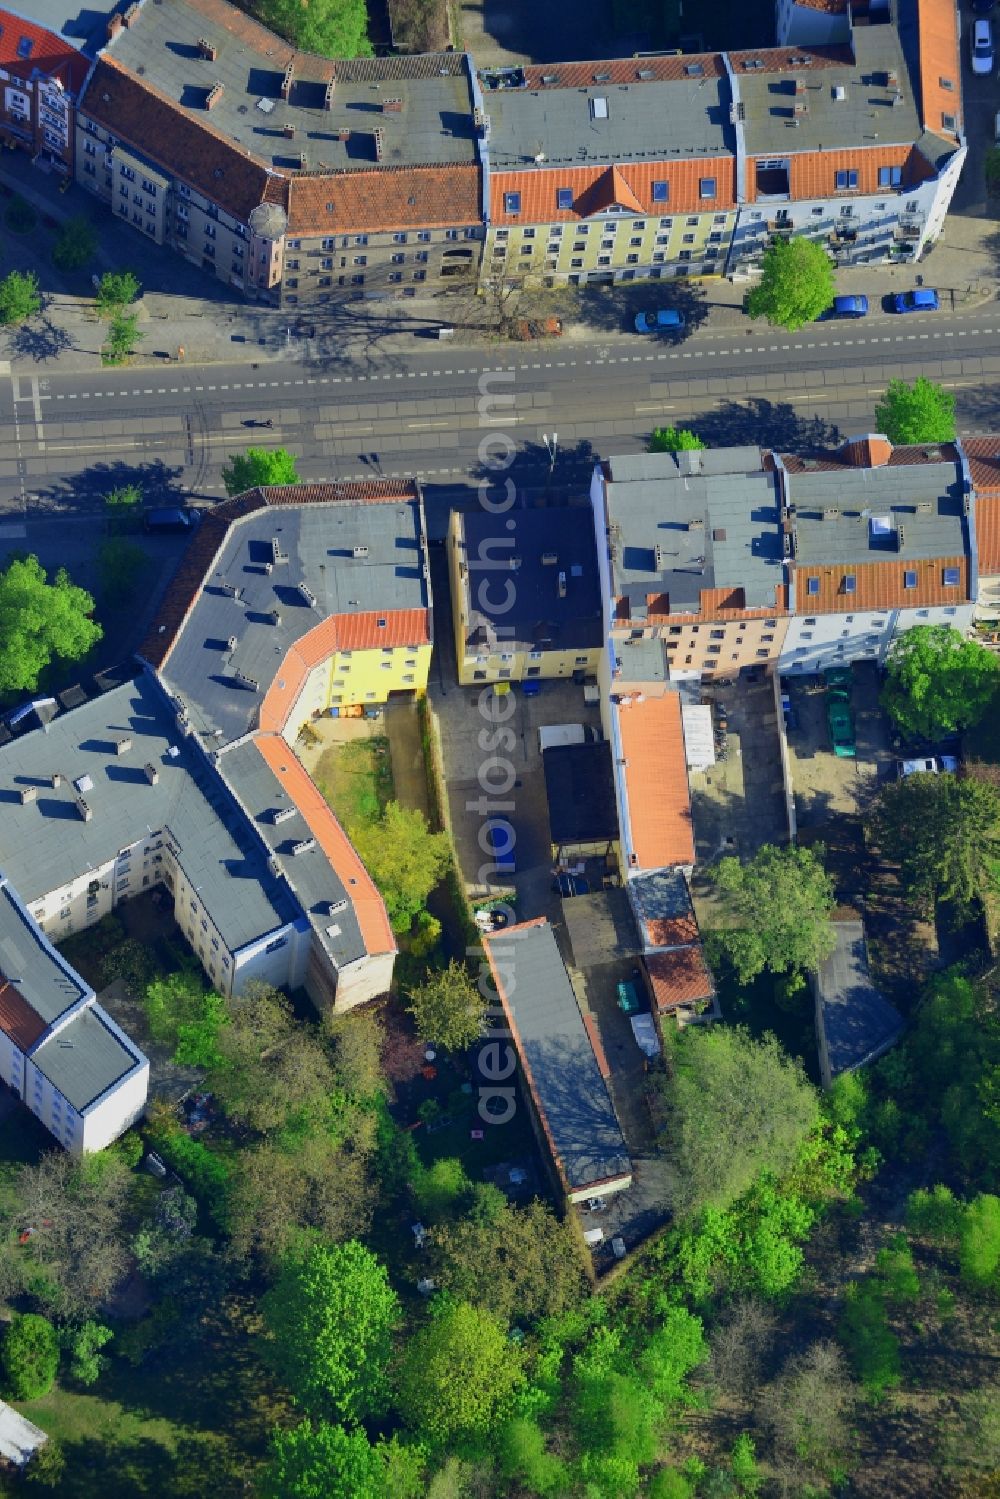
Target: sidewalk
(183,309)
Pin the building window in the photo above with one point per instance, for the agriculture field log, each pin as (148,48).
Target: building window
(576,265)
(890,176)
(812,586)
(423,235)
(661,192)
(564,197)
(604,260)
(909,579)
(850,583)
(632,260)
(706,187)
(398,259)
(950,577)
(357,280)
(845,180)
(512,202)
(399,239)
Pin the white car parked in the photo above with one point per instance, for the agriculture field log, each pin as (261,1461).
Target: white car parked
(982,46)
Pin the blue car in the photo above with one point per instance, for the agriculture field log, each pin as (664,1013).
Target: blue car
(848,307)
(659,322)
(500,840)
(921,300)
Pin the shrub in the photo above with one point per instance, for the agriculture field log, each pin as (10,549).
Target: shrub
(30,1356)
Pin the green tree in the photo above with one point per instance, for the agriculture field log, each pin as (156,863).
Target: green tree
(124,499)
(117,290)
(776,911)
(796,284)
(441,1189)
(674,440)
(458,1375)
(29,1355)
(447,1007)
(937,682)
(258,466)
(339,29)
(19,297)
(524,1460)
(76,244)
(273,1068)
(123,335)
(921,412)
(198,1038)
(120,565)
(83,1343)
(979,1243)
(736,1107)
(404,858)
(320,1461)
(943,832)
(743,1464)
(41,621)
(530,1259)
(895,1267)
(331,1316)
(871,1345)
(934,1214)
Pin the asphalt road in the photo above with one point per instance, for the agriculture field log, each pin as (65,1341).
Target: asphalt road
(66,439)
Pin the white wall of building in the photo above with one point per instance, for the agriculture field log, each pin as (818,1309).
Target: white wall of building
(814,643)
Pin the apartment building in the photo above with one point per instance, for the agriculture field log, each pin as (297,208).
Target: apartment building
(740,558)
(691,165)
(288,602)
(42,74)
(294,179)
(526,599)
(60,1052)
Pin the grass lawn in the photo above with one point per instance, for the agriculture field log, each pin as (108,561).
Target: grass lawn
(356,779)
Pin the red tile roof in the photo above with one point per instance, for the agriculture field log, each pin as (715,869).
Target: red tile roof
(813,173)
(983,454)
(937,31)
(383,198)
(716,603)
(789,59)
(139,114)
(656,781)
(368,904)
(879,585)
(671,931)
(18,1020)
(49,54)
(679,978)
(900,457)
(873,451)
(620,70)
(988,533)
(595,188)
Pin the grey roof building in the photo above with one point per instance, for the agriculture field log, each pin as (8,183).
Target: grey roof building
(854,1024)
(562,1071)
(681,524)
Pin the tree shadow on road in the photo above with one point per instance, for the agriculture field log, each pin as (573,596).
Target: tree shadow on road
(767,424)
(539,479)
(613,309)
(40,340)
(84,492)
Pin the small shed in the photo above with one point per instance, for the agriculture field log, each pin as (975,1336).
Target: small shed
(580,787)
(854,1024)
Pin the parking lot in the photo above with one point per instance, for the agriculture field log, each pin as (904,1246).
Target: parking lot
(826,786)
(738,804)
(487,774)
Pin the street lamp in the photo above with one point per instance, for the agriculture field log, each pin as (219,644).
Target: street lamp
(551,447)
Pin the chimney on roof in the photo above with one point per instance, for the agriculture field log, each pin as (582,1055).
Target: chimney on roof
(277,555)
(151,773)
(207,50)
(282,814)
(275,616)
(303,846)
(84,812)
(250,683)
(288,131)
(123,745)
(870,451)
(392,106)
(28,794)
(379,136)
(307,594)
(115,25)
(56,779)
(132,14)
(328,95)
(214,95)
(286,82)
(343,134)
(303,161)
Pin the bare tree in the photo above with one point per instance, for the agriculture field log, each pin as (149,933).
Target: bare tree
(740,1343)
(807,1411)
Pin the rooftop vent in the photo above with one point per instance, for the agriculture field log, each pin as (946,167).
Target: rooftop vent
(839,92)
(151,773)
(645,73)
(696,523)
(599,108)
(207,49)
(56,779)
(84,812)
(123,745)
(250,683)
(83,783)
(214,95)
(275,616)
(801,60)
(549,559)
(28,794)
(379,137)
(602,77)
(333,931)
(288,131)
(752,63)
(694,69)
(231,589)
(231,642)
(328,94)
(282,814)
(265,106)
(360,551)
(831,512)
(303,846)
(286,81)
(924,507)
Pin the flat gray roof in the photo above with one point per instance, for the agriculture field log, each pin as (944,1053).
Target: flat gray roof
(684,522)
(601,928)
(434,124)
(642,660)
(550,559)
(566,1083)
(923,503)
(45,842)
(86,1058)
(318,541)
(653,120)
(316,884)
(32,965)
(864,116)
(858,1023)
